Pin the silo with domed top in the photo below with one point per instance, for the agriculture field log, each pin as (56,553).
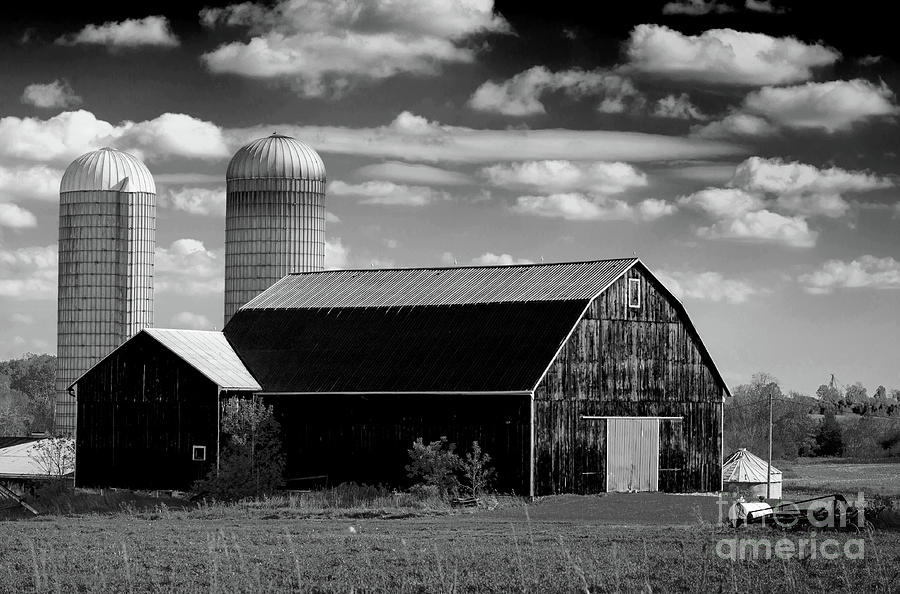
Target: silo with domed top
(274,216)
(107,236)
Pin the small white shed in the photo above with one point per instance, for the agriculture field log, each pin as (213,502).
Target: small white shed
(745,473)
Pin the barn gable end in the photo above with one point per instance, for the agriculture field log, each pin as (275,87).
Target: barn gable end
(623,361)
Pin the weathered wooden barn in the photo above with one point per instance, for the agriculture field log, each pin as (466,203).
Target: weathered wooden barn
(575,377)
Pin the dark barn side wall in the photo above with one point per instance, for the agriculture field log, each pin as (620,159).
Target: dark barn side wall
(365,439)
(621,361)
(140,411)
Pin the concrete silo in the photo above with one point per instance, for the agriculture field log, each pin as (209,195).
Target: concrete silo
(274,216)
(107,234)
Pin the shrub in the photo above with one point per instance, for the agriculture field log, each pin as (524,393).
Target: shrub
(477,471)
(251,462)
(441,472)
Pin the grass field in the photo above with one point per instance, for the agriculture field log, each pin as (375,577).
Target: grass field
(847,478)
(564,544)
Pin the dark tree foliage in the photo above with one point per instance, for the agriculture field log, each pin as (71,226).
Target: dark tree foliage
(829,438)
(26,394)
(251,462)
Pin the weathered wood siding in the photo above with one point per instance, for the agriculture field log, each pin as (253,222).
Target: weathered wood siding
(139,413)
(365,438)
(621,361)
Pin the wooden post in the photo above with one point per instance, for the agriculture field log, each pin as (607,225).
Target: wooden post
(769,468)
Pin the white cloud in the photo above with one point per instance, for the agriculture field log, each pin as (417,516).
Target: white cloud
(832,106)
(413,138)
(67,135)
(521,95)
(763,226)
(574,206)
(695,7)
(724,56)
(736,124)
(20,318)
(491,259)
(679,107)
(330,217)
(187,178)
(325,47)
(28,273)
(707,286)
(864,272)
(190,320)
(56,94)
(199,201)
(565,176)
(187,267)
(761,6)
(397,171)
(16,217)
(337,256)
(723,202)
(387,193)
(37,182)
(130,33)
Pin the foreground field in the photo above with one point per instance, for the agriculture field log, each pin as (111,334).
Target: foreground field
(556,545)
(819,478)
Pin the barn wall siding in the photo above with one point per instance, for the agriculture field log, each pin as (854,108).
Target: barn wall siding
(140,411)
(621,361)
(365,439)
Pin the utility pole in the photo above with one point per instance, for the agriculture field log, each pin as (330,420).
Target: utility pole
(769,469)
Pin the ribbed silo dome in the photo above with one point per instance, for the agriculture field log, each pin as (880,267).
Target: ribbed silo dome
(276,156)
(107,169)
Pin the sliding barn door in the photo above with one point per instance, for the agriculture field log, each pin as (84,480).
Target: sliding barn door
(632,454)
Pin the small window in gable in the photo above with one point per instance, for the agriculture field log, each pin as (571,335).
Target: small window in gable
(634,293)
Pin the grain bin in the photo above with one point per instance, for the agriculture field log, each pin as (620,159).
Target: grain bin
(107,235)
(274,216)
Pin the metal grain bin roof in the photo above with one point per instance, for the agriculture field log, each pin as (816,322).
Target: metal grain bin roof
(745,467)
(276,156)
(107,169)
(442,286)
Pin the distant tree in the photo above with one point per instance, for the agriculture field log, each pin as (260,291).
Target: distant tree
(855,393)
(895,394)
(829,438)
(34,376)
(881,394)
(251,462)
(828,394)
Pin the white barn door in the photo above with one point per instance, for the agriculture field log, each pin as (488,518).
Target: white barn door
(632,454)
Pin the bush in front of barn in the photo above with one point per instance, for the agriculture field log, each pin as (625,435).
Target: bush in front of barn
(251,462)
(439,471)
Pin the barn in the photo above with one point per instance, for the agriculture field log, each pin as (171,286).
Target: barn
(576,377)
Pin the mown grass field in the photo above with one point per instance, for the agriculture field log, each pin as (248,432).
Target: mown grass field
(568,544)
(847,478)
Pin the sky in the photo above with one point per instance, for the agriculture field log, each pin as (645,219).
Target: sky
(746,151)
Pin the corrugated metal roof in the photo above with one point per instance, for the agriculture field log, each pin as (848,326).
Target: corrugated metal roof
(107,169)
(276,156)
(442,286)
(23,460)
(210,354)
(744,467)
(482,347)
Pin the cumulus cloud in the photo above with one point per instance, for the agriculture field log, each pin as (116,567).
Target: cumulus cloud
(20,318)
(677,107)
(397,171)
(56,94)
(187,267)
(28,273)
(153,31)
(696,7)
(36,182)
(521,95)
(16,217)
(864,272)
(325,47)
(771,200)
(724,56)
(337,255)
(707,286)
(574,206)
(191,321)
(832,106)
(387,193)
(565,176)
(492,259)
(198,201)
(762,6)
(67,135)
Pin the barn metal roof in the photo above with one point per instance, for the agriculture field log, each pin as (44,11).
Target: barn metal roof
(744,467)
(209,353)
(276,156)
(107,169)
(402,287)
